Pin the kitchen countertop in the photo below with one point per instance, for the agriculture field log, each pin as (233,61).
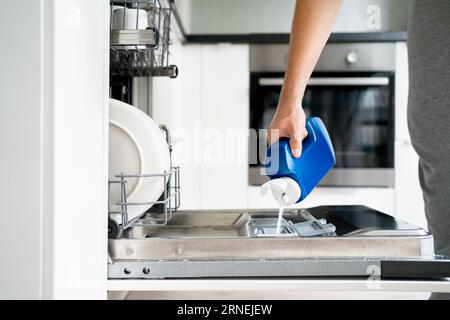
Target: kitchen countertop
(260,38)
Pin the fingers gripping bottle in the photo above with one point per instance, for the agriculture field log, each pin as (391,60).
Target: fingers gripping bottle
(292,179)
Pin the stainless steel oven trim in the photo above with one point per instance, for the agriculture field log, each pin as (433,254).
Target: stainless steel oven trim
(332,81)
(334,57)
(340,177)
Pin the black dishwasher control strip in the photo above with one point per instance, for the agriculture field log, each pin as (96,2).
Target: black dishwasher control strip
(416,269)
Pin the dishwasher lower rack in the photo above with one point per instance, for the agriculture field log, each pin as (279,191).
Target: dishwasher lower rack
(162,209)
(220,244)
(168,203)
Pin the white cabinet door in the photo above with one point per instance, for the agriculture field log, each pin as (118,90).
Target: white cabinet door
(409,204)
(224,109)
(401,92)
(54,149)
(185,151)
(214,126)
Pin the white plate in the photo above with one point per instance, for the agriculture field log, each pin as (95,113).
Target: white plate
(136,146)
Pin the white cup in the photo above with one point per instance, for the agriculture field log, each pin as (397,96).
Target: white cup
(135,19)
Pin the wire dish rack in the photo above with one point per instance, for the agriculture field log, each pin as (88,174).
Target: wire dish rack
(166,205)
(140,38)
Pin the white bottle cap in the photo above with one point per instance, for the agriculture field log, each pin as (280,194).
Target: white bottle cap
(285,190)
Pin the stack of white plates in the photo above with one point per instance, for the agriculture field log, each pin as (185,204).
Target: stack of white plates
(136,146)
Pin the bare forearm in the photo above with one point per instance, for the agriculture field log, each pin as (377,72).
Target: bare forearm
(311,27)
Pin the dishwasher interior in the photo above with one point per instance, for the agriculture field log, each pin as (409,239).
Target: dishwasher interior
(326,241)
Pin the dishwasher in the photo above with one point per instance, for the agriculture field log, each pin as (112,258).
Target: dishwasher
(324,241)
(167,243)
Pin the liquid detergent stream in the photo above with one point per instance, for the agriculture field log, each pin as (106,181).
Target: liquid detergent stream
(286,192)
(280,215)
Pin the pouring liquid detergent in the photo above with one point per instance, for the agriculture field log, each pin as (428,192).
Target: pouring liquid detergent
(292,179)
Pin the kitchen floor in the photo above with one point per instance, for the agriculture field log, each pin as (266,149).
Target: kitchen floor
(267,295)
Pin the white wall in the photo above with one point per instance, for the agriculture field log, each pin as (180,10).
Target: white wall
(184,9)
(21,135)
(274,16)
(53,139)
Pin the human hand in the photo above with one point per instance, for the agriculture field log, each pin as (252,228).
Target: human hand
(289,122)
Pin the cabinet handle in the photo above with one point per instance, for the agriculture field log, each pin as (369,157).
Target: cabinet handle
(336,81)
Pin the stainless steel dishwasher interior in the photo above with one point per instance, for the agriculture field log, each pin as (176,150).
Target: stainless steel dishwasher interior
(196,225)
(360,232)
(224,243)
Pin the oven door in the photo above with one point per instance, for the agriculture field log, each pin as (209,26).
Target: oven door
(358,110)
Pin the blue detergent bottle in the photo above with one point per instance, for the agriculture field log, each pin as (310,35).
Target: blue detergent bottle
(292,179)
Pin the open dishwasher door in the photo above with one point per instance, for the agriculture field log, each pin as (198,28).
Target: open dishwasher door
(327,241)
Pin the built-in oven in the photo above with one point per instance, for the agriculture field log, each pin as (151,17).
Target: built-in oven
(351,90)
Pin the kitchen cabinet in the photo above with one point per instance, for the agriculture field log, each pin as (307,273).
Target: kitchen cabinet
(409,205)
(224,106)
(54,131)
(215,120)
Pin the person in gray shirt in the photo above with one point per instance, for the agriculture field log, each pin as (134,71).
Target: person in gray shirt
(429,110)
(429,95)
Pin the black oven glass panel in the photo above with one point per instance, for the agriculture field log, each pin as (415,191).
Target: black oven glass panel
(356,108)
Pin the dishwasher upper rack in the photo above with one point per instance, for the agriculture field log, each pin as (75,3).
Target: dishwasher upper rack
(169,201)
(140,52)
